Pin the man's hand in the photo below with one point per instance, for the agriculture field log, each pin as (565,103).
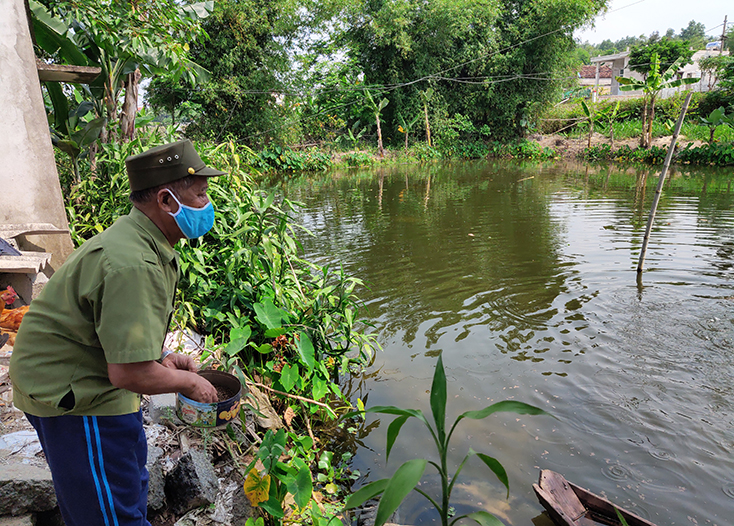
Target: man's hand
(180,361)
(153,378)
(202,391)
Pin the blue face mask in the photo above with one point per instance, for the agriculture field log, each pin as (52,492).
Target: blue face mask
(193,222)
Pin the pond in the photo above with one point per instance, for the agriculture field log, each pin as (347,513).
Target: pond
(523,276)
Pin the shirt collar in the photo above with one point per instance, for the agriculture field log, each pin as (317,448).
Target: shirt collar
(163,247)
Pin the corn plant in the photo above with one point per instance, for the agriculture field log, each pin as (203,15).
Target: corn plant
(407,476)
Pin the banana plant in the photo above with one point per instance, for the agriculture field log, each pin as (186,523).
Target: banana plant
(70,132)
(407,476)
(376,111)
(651,86)
(406,127)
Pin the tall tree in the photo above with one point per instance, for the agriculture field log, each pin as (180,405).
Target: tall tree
(247,56)
(493,61)
(668,51)
(694,33)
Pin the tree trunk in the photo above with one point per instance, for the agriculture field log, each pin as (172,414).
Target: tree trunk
(711,135)
(428,126)
(406,142)
(611,134)
(591,132)
(380,149)
(643,136)
(130,106)
(650,121)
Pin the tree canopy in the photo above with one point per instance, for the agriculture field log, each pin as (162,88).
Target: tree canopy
(667,51)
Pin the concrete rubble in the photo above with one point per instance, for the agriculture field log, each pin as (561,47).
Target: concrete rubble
(192,480)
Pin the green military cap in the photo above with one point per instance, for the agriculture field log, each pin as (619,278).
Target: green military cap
(165,164)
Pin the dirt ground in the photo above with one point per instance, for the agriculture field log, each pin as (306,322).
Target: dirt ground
(569,148)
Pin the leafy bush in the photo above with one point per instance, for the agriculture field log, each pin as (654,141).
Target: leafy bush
(604,152)
(358,159)
(276,158)
(521,150)
(243,284)
(720,154)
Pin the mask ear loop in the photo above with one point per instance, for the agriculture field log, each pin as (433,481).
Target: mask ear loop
(180,206)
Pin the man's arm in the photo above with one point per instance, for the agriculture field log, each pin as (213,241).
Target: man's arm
(153,378)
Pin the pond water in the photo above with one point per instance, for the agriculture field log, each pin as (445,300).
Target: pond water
(523,276)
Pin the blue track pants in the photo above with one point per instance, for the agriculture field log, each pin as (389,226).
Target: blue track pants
(98,467)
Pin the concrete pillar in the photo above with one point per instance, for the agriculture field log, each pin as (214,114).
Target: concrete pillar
(29,184)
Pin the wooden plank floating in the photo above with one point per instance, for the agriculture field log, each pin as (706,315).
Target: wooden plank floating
(570,505)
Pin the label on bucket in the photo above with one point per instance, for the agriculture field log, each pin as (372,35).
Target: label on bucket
(197,413)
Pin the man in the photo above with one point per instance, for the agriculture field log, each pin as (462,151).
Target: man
(92,342)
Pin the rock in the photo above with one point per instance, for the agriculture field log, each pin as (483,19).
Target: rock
(25,488)
(23,520)
(22,443)
(232,506)
(367,513)
(191,483)
(156,482)
(241,507)
(162,407)
(49,518)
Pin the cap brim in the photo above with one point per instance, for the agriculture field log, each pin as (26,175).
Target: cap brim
(209,172)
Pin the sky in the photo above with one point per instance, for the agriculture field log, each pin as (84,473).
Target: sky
(636,17)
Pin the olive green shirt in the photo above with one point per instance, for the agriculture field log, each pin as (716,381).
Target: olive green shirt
(111,302)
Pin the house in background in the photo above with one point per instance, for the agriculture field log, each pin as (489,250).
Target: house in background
(602,73)
(588,78)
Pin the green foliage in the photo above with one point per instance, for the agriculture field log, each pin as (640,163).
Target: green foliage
(247,60)
(358,159)
(668,52)
(71,131)
(120,38)
(719,154)
(520,150)
(651,86)
(279,159)
(695,34)
(604,152)
(282,478)
(472,47)
(407,477)
(715,119)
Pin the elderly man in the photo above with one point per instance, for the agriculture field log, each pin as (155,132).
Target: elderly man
(92,342)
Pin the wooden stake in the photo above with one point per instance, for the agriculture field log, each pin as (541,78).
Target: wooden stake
(661,180)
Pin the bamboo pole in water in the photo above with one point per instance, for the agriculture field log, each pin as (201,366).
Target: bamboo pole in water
(661,181)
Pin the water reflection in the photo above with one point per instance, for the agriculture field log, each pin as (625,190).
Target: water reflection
(522,275)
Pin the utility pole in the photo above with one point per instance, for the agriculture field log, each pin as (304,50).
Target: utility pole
(723,37)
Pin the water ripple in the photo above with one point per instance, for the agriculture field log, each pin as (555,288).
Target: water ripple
(616,472)
(728,489)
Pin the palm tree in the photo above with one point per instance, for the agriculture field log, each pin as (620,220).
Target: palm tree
(651,87)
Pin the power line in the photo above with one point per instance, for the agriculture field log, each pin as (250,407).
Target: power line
(438,76)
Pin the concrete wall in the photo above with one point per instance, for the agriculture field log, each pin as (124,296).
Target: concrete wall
(29,184)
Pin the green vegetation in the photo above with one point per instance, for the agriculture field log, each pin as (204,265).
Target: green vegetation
(653,83)
(408,475)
